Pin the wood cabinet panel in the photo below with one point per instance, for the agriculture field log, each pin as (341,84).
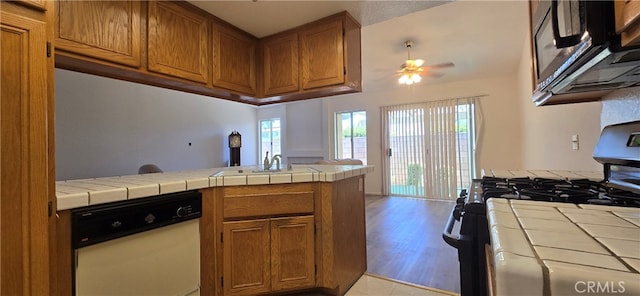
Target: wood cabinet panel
(37,4)
(234,60)
(292,253)
(268,204)
(178,41)
(321,55)
(247,265)
(24,251)
(281,64)
(106,30)
(627,14)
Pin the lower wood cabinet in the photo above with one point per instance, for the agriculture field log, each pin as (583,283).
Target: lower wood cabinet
(265,255)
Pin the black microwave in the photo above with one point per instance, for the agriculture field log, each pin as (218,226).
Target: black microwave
(577,52)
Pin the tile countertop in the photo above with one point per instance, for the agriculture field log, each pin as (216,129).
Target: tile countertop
(549,248)
(551,174)
(84,192)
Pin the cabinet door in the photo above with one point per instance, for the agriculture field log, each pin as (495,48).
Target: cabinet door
(322,55)
(234,60)
(292,253)
(246,263)
(178,41)
(24,251)
(280,64)
(627,14)
(106,30)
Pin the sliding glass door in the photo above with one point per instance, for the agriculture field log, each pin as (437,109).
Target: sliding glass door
(430,148)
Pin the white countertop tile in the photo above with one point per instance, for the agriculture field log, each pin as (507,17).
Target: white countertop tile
(549,225)
(607,208)
(257,179)
(498,204)
(578,257)
(302,177)
(197,183)
(280,178)
(504,219)
(633,262)
(622,248)
(99,193)
(516,274)
(608,231)
(583,211)
(634,221)
(78,193)
(510,240)
(572,279)
(599,219)
(72,200)
(546,204)
(549,214)
(234,180)
(560,240)
(570,243)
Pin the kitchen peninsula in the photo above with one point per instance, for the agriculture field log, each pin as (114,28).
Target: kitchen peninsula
(306,224)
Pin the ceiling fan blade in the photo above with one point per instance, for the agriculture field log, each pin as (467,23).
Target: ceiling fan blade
(433,74)
(442,65)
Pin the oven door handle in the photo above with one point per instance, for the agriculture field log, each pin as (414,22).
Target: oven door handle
(449,238)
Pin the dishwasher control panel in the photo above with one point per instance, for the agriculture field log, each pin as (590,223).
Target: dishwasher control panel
(100,223)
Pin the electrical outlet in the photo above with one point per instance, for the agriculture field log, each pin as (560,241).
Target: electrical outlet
(575,142)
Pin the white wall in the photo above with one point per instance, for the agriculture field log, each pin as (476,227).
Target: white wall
(499,145)
(108,127)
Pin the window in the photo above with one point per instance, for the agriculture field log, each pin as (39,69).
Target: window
(351,135)
(430,147)
(270,137)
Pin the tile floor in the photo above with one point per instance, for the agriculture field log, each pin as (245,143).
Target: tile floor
(374,285)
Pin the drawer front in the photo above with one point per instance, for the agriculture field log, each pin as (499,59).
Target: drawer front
(254,205)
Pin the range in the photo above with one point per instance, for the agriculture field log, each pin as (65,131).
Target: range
(563,234)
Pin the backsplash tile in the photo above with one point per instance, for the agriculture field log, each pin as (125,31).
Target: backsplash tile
(621,106)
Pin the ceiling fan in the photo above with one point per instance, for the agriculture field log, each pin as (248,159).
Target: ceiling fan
(412,70)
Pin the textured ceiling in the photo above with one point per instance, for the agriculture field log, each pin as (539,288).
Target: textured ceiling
(266,17)
(482,38)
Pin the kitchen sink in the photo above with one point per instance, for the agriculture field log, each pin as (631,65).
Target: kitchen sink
(259,171)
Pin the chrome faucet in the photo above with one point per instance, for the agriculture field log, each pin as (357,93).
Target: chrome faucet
(268,164)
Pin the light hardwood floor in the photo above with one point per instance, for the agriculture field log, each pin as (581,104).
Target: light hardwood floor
(404,241)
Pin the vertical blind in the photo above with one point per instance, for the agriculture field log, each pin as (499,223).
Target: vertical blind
(430,147)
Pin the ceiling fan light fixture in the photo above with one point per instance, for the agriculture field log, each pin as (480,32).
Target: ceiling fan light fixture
(411,68)
(409,78)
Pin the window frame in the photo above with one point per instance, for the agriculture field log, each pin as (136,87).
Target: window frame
(338,148)
(271,141)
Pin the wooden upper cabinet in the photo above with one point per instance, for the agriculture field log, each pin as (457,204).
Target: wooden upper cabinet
(322,55)
(106,30)
(627,14)
(234,60)
(280,64)
(292,253)
(178,41)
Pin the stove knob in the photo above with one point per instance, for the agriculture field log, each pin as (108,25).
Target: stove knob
(116,224)
(181,212)
(150,218)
